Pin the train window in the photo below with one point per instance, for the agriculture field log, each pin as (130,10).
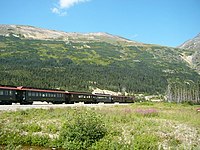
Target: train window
(6,92)
(80,96)
(10,93)
(29,93)
(100,97)
(43,94)
(33,93)
(1,92)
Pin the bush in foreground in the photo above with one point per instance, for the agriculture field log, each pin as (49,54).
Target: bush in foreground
(82,131)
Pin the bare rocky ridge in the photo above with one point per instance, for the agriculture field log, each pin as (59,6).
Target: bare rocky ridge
(193,47)
(193,44)
(30,32)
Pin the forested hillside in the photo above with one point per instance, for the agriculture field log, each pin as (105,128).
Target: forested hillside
(84,65)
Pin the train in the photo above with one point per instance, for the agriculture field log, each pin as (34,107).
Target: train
(27,95)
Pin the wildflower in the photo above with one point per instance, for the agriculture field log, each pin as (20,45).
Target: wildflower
(147,112)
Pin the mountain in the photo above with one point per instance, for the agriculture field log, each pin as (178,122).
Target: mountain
(30,32)
(193,51)
(193,44)
(32,56)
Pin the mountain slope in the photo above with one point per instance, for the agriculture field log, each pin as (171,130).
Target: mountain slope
(193,44)
(193,51)
(73,61)
(30,32)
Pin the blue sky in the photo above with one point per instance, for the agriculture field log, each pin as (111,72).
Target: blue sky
(163,22)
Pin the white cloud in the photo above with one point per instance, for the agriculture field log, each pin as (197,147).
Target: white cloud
(55,10)
(70,3)
(58,11)
(65,4)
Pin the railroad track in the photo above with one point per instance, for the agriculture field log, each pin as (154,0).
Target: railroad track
(45,105)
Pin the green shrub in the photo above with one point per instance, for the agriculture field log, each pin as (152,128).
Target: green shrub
(33,127)
(51,128)
(8,137)
(82,130)
(37,140)
(110,142)
(145,141)
(11,146)
(14,138)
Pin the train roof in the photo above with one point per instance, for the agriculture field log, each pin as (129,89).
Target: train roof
(8,87)
(101,94)
(40,89)
(83,93)
(121,96)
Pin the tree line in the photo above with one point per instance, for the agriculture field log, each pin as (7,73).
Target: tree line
(183,91)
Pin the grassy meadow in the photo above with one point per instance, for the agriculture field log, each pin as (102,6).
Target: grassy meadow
(136,126)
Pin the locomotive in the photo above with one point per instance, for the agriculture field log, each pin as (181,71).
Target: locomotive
(27,95)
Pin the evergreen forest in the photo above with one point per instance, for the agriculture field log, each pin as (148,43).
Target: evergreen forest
(83,66)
